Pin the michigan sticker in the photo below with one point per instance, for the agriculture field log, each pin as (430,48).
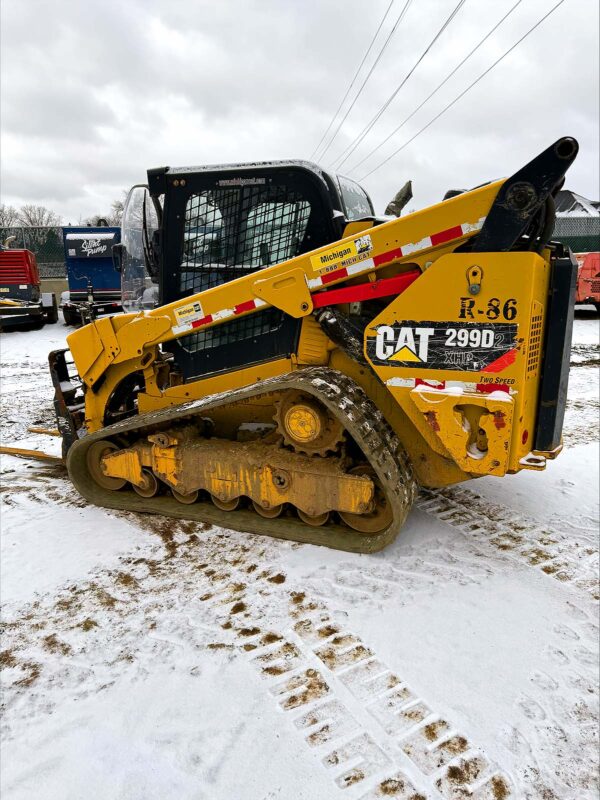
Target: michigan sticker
(189,313)
(343,255)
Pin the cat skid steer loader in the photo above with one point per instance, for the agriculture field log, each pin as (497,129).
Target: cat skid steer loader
(310,364)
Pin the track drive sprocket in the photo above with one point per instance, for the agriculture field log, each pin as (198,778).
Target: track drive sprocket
(307,425)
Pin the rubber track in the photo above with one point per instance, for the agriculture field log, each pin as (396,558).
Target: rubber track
(347,401)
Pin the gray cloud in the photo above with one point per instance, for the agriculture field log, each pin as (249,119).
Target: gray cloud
(94,94)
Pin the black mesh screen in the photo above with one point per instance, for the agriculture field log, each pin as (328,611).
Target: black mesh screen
(230,231)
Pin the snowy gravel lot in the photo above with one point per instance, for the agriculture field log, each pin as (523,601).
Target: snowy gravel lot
(145,658)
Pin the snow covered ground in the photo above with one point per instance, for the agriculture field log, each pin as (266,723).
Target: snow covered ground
(146,658)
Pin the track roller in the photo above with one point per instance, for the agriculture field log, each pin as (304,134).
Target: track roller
(186,499)
(267,513)
(314,521)
(225,505)
(150,485)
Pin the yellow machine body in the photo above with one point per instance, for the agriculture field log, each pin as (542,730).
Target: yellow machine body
(445,415)
(427,350)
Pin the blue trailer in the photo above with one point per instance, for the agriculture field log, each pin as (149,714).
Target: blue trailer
(94,283)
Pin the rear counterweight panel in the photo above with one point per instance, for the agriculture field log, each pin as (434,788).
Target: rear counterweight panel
(555,368)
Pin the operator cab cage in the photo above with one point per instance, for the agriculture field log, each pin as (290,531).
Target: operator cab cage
(221,222)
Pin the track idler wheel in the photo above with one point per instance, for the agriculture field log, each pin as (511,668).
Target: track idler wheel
(225,505)
(94,463)
(268,513)
(316,520)
(381,514)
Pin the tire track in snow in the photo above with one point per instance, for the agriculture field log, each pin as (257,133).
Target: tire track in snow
(303,689)
(515,535)
(368,730)
(561,693)
(303,676)
(419,741)
(362,721)
(406,574)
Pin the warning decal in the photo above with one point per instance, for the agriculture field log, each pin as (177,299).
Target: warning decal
(189,313)
(444,345)
(342,255)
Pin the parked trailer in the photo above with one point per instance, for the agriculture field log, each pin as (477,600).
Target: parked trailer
(22,303)
(588,279)
(94,283)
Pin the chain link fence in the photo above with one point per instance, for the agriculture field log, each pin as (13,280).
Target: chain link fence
(581,234)
(46,243)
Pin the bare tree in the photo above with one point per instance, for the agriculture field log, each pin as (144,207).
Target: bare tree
(116,214)
(38,217)
(9,216)
(97,220)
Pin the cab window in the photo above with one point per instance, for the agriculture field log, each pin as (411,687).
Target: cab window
(356,201)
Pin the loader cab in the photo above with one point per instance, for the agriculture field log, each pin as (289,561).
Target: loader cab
(220,223)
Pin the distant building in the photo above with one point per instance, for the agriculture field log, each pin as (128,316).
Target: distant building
(577,222)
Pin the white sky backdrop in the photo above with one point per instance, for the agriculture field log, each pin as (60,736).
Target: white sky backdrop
(94,93)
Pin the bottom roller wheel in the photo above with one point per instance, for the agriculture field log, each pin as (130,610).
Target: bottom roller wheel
(150,485)
(267,513)
(381,515)
(186,499)
(314,521)
(225,505)
(94,460)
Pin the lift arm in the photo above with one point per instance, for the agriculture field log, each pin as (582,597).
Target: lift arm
(417,239)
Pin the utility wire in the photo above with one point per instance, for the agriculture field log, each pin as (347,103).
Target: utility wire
(352,82)
(436,90)
(370,72)
(464,92)
(341,159)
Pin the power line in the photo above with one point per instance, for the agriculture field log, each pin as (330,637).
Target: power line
(464,92)
(370,72)
(353,145)
(446,79)
(360,66)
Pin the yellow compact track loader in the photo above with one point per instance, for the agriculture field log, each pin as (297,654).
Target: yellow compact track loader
(311,364)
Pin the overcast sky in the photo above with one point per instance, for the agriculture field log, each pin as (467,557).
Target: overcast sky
(93,94)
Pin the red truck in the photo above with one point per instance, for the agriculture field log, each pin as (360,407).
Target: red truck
(588,279)
(22,303)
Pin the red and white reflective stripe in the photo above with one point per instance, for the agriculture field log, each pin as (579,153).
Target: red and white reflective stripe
(431,383)
(225,313)
(344,272)
(450,387)
(435,240)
